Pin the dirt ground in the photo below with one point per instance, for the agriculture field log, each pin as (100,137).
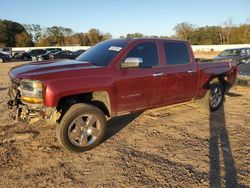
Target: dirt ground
(206,55)
(175,146)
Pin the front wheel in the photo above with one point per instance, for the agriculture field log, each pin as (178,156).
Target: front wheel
(82,128)
(1,60)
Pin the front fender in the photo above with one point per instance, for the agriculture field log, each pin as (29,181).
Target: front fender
(58,89)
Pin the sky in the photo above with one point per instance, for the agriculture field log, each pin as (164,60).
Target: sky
(119,17)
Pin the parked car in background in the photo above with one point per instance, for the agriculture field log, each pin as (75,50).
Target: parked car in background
(4,57)
(244,71)
(47,55)
(53,49)
(64,54)
(79,52)
(27,56)
(6,50)
(237,54)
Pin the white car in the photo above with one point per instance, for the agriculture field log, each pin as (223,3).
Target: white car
(6,50)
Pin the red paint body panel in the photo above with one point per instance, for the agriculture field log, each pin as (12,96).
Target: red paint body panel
(129,90)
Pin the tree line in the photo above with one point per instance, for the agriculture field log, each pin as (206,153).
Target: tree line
(225,34)
(13,34)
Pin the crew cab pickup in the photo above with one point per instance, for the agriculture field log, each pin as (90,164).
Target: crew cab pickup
(113,78)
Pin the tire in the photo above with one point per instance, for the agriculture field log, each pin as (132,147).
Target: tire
(82,128)
(1,60)
(25,58)
(215,90)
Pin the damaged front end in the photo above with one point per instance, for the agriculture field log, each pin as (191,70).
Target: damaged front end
(26,102)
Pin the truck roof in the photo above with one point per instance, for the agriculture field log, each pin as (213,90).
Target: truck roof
(157,39)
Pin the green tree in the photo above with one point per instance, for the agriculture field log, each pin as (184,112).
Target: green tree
(94,36)
(206,35)
(106,36)
(240,34)
(8,32)
(184,30)
(55,35)
(134,35)
(34,30)
(23,40)
(44,41)
(76,39)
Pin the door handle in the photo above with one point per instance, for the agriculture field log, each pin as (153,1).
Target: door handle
(191,71)
(158,74)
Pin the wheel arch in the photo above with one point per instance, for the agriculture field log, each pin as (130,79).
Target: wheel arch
(100,99)
(221,78)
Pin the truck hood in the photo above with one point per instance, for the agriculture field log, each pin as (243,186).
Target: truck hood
(48,67)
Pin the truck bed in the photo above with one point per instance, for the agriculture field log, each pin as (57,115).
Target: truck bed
(210,69)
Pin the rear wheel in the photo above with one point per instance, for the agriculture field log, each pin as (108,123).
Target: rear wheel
(214,97)
(82,128)
(1,60)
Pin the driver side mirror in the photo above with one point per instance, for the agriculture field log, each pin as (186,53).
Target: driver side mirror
(132,62)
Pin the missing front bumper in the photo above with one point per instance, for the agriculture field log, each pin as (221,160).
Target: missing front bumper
(33,113)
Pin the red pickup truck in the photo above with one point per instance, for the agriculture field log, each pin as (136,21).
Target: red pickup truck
(113,78)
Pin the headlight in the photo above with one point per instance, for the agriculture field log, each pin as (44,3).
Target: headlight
(31,91)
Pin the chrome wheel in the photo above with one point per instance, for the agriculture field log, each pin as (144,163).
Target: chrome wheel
(216,97)
(84,130)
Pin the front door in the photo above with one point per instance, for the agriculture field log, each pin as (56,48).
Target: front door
(141,87)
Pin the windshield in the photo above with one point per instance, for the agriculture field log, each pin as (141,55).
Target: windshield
(103,53)
(232,52)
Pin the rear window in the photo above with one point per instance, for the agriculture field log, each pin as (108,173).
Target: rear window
(176,53)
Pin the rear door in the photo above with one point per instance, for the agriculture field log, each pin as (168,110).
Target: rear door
(180,73)
(141,87)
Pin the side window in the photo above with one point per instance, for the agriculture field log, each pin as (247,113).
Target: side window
(148,52)
(176,53)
